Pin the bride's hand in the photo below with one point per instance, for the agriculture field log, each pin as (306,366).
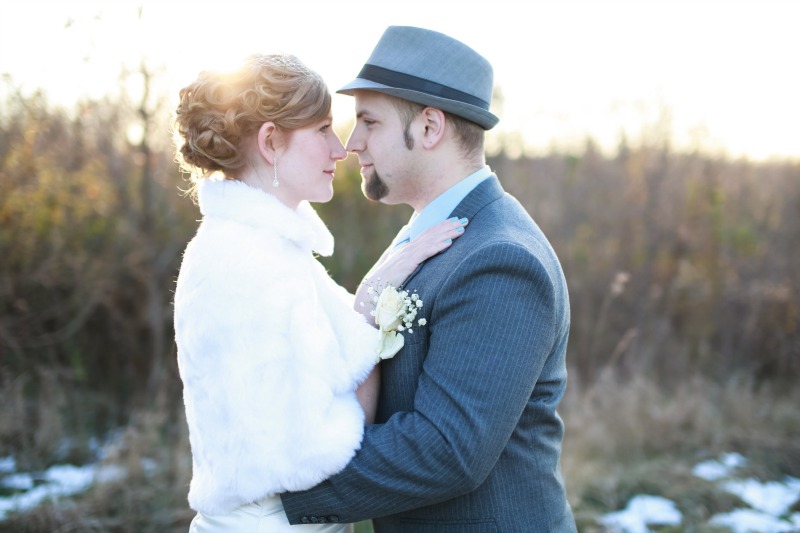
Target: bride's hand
(397,264)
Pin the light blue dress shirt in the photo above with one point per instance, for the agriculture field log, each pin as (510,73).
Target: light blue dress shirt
(441,207)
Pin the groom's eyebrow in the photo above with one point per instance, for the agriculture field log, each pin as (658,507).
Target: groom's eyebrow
(364,115)
(362,112)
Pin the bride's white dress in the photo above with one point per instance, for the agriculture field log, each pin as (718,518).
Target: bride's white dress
(266,516)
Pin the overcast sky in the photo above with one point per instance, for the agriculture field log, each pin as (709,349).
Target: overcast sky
(722,72)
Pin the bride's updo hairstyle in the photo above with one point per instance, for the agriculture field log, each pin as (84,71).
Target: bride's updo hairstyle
(218,111)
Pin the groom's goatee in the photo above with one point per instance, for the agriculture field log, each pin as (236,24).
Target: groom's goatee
(375,188)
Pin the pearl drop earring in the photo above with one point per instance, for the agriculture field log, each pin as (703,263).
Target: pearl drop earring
(275,179)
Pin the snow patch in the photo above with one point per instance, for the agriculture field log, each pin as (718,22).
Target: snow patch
(18,482)
(7,465)
(751,521)
(716,469)
(641,512)
(60,480)
(770,503)
(773,497)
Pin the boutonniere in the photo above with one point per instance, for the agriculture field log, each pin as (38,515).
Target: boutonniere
(395,312)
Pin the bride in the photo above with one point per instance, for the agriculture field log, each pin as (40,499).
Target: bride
(277,361)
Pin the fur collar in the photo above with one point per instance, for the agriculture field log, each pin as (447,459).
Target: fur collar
(237,201)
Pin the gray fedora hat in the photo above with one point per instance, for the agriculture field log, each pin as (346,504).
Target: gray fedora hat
(432,69)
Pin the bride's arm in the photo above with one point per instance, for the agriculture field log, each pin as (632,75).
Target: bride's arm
(393,267)
(367,394)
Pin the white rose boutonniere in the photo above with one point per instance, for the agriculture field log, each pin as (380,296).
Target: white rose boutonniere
(395,311)
(389,309)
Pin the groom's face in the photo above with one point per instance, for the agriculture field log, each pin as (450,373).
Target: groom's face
(383,150)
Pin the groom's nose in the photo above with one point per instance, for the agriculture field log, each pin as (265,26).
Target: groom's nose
(355,142)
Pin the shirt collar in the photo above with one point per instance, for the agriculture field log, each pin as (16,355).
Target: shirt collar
(444,204)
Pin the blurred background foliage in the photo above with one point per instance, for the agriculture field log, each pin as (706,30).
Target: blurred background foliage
(681,267)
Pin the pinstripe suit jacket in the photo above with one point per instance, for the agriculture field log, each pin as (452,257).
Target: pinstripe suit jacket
(468,439)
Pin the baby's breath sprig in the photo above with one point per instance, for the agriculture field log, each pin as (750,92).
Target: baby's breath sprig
(394,310)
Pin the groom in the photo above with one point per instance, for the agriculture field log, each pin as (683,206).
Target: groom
(467,437)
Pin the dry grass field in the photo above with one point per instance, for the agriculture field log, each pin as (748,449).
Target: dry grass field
(684,276)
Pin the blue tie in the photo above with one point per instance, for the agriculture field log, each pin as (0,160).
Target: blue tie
(403,237)
(401,243)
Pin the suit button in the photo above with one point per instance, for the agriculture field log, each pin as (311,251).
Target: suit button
(304,520)
(333,518)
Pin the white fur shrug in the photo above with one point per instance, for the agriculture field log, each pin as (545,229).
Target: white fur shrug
(270,351)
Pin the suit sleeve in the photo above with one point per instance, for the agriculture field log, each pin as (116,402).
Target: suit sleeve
(492,327)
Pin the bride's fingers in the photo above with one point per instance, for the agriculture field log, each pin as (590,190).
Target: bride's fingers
(401,261)
(437,238)
(451,228)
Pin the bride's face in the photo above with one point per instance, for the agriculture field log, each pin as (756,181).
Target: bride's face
(306,165)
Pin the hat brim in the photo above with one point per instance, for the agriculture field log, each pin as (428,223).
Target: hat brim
(481,117)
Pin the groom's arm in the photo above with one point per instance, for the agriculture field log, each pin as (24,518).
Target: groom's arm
(492,327)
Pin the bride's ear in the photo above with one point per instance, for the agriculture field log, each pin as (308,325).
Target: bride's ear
(267,134)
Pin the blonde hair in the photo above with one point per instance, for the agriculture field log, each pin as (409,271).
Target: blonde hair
(219,110)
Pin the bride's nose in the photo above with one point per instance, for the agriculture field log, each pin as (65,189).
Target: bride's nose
(338,152)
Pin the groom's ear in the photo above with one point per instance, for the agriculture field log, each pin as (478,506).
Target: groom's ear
(434,123)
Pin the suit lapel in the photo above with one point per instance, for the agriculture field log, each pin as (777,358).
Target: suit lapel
(486,192)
